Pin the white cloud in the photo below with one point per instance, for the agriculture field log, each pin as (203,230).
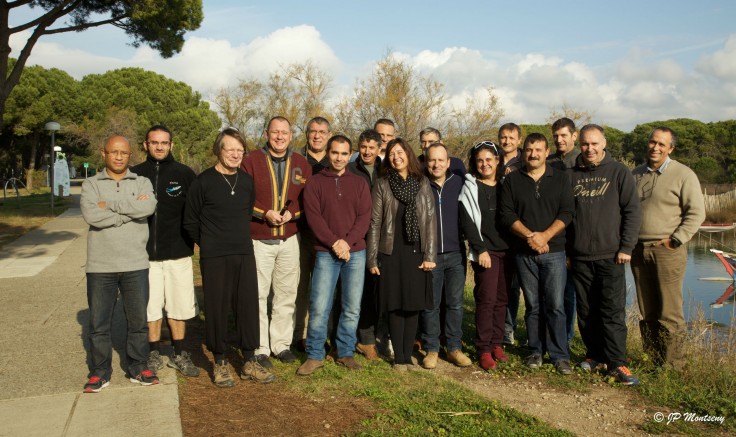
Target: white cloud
(721,64)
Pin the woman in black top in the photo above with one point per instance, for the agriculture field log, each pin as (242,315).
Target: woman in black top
(402,246)
(492,271)
(217,217)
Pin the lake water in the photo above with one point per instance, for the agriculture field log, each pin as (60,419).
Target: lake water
(701,263)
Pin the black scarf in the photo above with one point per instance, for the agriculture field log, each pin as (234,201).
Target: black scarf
(406,191)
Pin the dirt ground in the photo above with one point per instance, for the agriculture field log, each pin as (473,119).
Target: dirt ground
(272,409)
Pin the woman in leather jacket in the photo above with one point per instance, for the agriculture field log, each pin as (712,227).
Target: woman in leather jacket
(402,245)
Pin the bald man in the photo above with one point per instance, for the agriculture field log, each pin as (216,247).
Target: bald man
(115,204)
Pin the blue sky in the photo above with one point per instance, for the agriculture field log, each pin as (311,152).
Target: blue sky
(626,61)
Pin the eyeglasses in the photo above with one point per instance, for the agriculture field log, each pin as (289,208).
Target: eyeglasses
(158,143)
(537,195)
(118,153)
(318,132)
(488,144)
(236,152)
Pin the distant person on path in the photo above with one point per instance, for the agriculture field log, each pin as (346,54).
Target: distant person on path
(602,237)
(115,203)
(217,218)
(402,246)
(337,204)
(672,211)
(536,205)
(492,264)
(170,277)
(279,175)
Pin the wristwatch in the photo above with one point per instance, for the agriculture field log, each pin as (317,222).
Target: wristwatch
(675,243)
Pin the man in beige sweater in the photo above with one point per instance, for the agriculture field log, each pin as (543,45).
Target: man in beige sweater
(672,211)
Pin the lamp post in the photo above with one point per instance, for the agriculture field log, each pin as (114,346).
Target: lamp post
(53,127)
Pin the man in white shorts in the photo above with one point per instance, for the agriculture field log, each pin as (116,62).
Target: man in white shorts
(170,277)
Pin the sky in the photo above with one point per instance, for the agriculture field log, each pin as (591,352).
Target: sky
(626,62)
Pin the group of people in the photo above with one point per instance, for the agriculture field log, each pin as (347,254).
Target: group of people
(366,250)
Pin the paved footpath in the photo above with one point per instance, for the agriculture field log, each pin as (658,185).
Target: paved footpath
(43,346)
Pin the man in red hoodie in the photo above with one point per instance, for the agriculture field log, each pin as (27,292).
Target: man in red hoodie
(338,208)
(279,175)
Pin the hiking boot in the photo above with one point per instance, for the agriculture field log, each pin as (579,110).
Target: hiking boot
(498,354)
(368,351)
(458,358)
(223,379)
(263,360)
(430,360)
(624,376)
(183,363)
(254,371)
(533,361)
(95,384)
(286,356)
(487,362)
(146,377)
(349,362)
(155,361)
(309,366)
(563,367)
(589,365)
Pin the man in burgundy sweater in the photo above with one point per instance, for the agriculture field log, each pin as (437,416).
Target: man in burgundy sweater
(337,204)
(279,175)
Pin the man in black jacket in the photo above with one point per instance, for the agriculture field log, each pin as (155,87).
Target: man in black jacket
(605,230)
(170,277)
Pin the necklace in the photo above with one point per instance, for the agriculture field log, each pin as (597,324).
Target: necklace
(232,186)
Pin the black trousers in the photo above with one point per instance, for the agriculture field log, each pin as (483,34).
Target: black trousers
(230,283)
(601,306)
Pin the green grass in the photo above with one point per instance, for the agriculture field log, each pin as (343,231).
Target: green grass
(21,215)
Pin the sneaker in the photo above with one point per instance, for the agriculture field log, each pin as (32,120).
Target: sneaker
(385,348)
(590,365)
(286,356)
(458,358)
(309,366)
(223,379)
(509,339)
(183,363)
(155,361)
(624,376)
(349,362)
(146,377)
(533,361)
(368,350)
(563,367)
(95,384)
(498,354)
(254,371)
(487,362)
(264,361)
(430,360)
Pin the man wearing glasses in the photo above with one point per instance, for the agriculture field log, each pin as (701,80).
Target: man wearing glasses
(279,175)
(536,205)
(672,211)
(318,132)
(170,277)
(115,203)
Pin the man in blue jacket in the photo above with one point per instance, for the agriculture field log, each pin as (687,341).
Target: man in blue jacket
(170,250)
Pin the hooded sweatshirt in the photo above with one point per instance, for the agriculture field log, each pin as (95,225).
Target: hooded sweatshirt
(607,211)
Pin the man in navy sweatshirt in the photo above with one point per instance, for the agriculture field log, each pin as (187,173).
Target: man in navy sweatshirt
(337,204)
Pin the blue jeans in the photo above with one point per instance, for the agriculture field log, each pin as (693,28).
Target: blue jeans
(102,293)
(570,307)
(450,275)
(327,268)
(542,278)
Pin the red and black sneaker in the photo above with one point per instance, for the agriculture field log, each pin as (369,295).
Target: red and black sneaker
(95,384)
(146,377)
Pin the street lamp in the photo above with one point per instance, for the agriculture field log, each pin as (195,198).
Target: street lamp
(53,127)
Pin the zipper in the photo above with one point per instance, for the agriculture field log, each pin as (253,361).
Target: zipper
(155,215)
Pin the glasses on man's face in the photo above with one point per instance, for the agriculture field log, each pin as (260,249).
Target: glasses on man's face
(234,152)
(118,153)
(489,144)
(322,133)
(159,143)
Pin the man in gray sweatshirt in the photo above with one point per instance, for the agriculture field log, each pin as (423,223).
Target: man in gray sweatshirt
(115,203)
